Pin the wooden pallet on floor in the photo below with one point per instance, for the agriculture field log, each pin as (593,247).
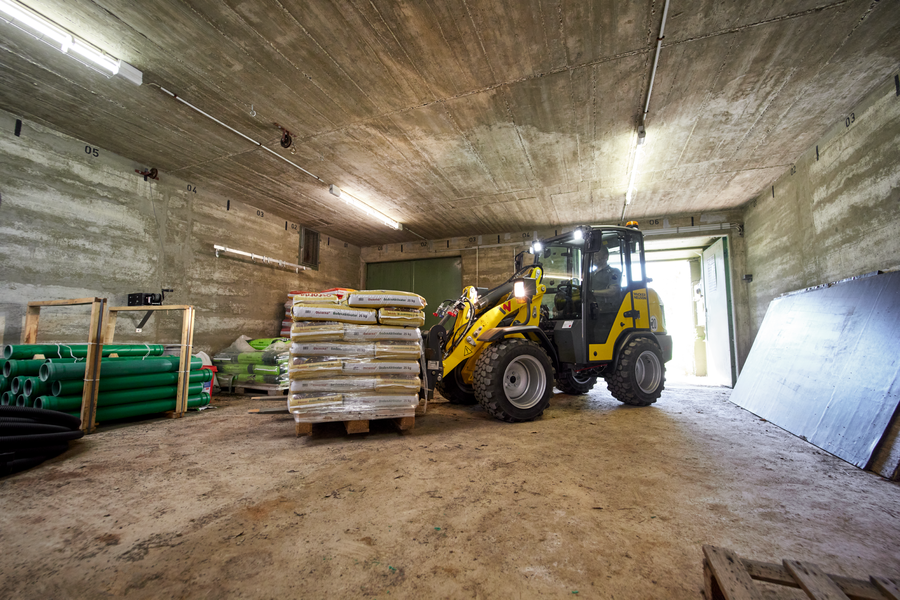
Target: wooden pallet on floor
(728,577)
(269,389)
(403,419)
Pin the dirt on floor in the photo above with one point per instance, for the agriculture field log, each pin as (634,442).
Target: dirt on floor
(593,500)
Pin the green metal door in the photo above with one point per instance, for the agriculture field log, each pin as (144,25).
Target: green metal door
(436,279)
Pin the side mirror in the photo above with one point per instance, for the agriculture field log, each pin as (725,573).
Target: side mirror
(594,241)
(518,262)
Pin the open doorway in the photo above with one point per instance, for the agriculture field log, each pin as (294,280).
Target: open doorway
(672,281)
(690,274)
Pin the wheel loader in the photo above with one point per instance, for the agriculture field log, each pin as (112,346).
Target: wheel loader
(576,308)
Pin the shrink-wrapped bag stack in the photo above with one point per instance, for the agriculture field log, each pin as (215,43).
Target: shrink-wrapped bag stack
(255,363)
(347,362)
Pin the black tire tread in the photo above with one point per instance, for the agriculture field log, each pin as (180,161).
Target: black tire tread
(449,389)
(619,384)
(485,377)
(568,385)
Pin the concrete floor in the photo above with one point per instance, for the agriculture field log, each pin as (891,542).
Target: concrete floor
(594,500)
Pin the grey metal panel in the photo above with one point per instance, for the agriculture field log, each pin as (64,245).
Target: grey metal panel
(716,286)
(825,365)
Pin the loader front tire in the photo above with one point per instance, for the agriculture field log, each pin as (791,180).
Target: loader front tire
(455,390)
(640,375)
(514,380)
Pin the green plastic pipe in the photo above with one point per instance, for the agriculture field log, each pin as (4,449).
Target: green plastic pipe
(21,400)
(129,382)
(162,364)
(67,403)
(235,369)
(250,379)
(266,370)
(250,357)
(34,387)
(4,383)
(7,399)
(123,411)
(19,351)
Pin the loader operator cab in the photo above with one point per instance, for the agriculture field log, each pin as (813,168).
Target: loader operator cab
(588,276)
(583,312)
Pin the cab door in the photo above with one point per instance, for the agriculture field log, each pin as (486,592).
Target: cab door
(605,289)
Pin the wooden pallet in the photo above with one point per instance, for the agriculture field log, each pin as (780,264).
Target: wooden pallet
(728,577)
(270,389)
(362,426)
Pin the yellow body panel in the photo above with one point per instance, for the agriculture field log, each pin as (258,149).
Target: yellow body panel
(645,301)
(468,351)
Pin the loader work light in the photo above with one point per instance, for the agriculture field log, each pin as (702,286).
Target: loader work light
(519,289)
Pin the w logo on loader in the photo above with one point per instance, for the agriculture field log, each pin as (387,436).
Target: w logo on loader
(506,307)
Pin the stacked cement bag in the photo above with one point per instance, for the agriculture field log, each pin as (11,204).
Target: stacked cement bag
(348,362)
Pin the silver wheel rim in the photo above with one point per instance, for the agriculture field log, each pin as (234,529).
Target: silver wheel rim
(524,382)
(647,372)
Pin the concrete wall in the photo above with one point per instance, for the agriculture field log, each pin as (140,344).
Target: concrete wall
(835,214)
(78,223)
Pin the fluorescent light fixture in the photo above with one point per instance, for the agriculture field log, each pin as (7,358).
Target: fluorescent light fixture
(519,289)
(43,29)
(634,166)
(359,205)
(95,56)
(32,23)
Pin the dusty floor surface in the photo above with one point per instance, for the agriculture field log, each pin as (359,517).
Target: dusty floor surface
(594,500)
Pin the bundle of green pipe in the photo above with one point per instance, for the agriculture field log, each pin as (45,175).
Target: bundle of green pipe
(19,351)
(139,381)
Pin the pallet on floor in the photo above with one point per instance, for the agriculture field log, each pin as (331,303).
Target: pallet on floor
(729,577)
(269,389)
(358,422)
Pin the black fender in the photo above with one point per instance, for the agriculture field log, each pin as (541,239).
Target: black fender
(532,332)
(665,344)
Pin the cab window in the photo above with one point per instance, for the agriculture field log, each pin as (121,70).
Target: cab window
(562,276)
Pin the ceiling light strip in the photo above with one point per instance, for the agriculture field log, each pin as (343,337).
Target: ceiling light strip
(45,30)
(642,132)
(358,204)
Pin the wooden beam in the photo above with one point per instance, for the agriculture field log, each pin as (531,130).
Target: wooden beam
(32,317)
(75,302)
(729,573)
(184,364)
(404,423)
(814,581)
(888,587)
(356,426)
(92,367)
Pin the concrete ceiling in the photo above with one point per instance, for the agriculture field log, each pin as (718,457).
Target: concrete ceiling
(465,116)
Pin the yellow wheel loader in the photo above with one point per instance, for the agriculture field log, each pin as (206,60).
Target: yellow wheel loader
(580,310)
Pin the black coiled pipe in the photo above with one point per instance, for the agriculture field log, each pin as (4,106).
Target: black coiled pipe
(29,436)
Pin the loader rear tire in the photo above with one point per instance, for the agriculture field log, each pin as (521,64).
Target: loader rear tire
(455,390)
(514,380)
(570,382)
(640,375)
